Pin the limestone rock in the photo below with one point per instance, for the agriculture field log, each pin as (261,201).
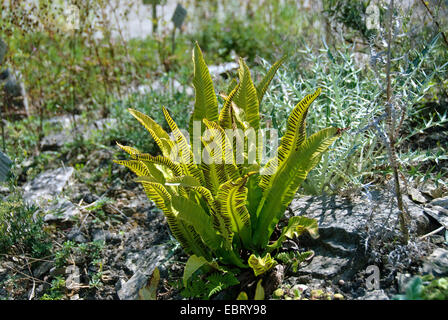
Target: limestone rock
(437,263)
(47,185)
(144,264)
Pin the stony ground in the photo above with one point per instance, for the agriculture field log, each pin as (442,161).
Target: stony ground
(108,238)
(356,231)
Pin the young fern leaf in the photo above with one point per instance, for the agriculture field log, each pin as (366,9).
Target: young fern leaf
(138,167)
(233,83)
(226,114)
(206,104)
(264,84)
(294,136)
(261,265)
(182,231)
(246,97)
(155,130)
(283,184)
(130,150)
(185,152)
(183,181)
(161,160)
(232,197)
(226,150)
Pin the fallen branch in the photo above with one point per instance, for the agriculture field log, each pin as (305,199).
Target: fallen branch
(432,233)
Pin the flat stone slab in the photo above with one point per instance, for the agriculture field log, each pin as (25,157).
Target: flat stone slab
(438,213)
(343,227)
(144,267)
(63,132)
(437,263)
(62,211)
(441,202)
(46,186)
(5,165)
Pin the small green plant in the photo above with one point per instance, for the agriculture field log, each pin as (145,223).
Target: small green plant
(224,208)
(56,291)
(294,258)
(21,229)
(205,287)
(426,288)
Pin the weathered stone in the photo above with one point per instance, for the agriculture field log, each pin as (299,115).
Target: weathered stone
(145,264)
(438,213)
(441,202)
(76,235)
(54,141)
(46,186)
(42,269)
(15,93)
(72,282)
(402,281)
(274,279)
(5,164)
(343,227)
(57,271)
(65,129)
(433,191)
(90,198)
(416,195)
(62,211)
(437,263)
(216,70)
(99,235)
(374,295)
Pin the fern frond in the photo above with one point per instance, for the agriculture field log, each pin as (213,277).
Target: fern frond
(264,84)
(226,114)
(246,97)
(206,104)
(186,155)
(154,129)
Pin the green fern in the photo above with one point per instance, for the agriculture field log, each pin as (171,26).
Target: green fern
(206,287)
(223,211)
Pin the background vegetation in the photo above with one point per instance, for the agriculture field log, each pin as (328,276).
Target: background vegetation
(97,72)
